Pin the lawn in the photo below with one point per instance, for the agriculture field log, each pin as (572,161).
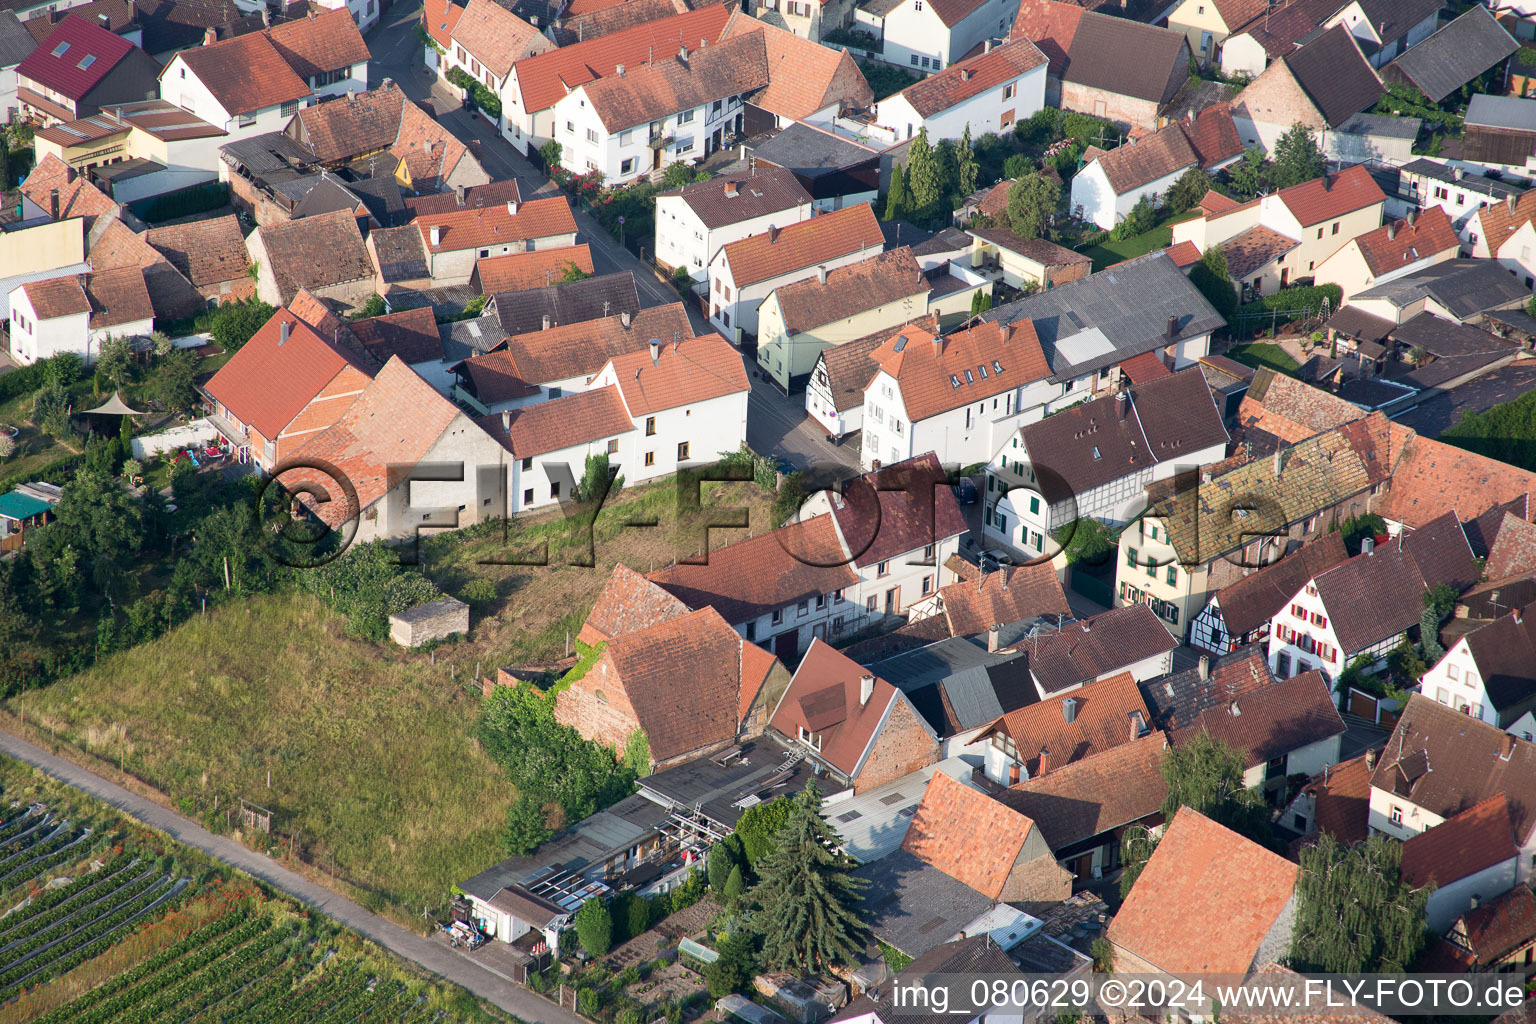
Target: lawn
(1108,253)
(1264,354)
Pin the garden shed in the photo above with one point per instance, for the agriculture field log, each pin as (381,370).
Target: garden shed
(425,623)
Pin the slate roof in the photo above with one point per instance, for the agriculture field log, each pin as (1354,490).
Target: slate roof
(1205,901)
(1095,795)
(545,427)
(1250,602)
(1270,721)
(497,37)
(1009,595)
(916,908)
(752,577)
(944,829)
(1127,58)
(1098,442)
(1513,551)
(89,53)
(810,151)
(1140,162)
(628,602)
(1457,53)
(1129,304)
(1509,112)
(799,246)
(1446,762)
(823,698)
(1087,649)
(401,256)
(571,350)
(938,374)
(1462,845)
(686,372)
(1335,75)
(730,199)
(971,77)
(673,83)
(315,252)
(1464,287)
(875,281)
(207,252)
(1432,478)
(1104,714)
(267,384)
(16,41)
(572,302)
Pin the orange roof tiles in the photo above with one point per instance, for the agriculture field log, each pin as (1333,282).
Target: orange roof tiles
(1103,715)
(685,372)
(1050,25)
(531,269)
(1214,202)
(973,76)
(1342,800)
(245,73)
(544,79)
(1500,220)
(583,347)
(1213,134)
(1290,409)
(77,196)
(672,83)
(494,225)
(780,251)
(967,834)
(564,422)
(1097,794)
(439,17)
(824,698)
(1205,901)
(497,37)
(327,40)
(1396,244)
(1477,838)
(206,252)
(1004,597)
(1332,195)
(1433,478)
(628,602)
(803,77)
(939,374)
(57,296)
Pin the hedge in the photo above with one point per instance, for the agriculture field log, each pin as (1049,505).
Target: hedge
(1305,298)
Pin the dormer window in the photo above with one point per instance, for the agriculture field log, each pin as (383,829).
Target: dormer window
(997,367)
(810,739)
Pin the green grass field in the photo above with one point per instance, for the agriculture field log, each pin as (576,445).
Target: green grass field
(1107,253)
(1263,354)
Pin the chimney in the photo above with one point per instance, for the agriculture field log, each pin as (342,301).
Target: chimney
(821,275)
(682,55)
(1045,762)
(1506,746)
(986,47)
(773,233)
(1516,616)
(1069,710)
(1205,667)
(437,235)
(1136,725)
(1413,215)
(1279,461)
(619,70)
(53,203)
(133,10)
(106,20)
(1122,403)
(732,190)
(209,35)
(994,638)
(655,351)
(458,193)
(283,327)
(506,419)
(1457,173)
(966,74)
(624,319)
(426,147)
(866,688)
(1370,760)
(1173,327)
(1509,202)
(545,324)
(1391,231)
(511,208)
(1368,546)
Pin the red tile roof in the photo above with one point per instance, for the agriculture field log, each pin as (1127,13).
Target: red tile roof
(1205,901)
(1332,195)
(671,83)
(1399,243)
(823,698)
(564,422)
(1342,800)
(494,225)
(1103,715)
(800,246)
(1138,163)
(531,269)
(1184,254)
(581,348)
(84,42)
(269,382)
(895,510)
(327,40)
(1501,925)
(544,79)
(944,833)
(1097,794)
(803,76)
(1213,134)
(57,296)
(940,374)
(878,280)
(1290,409)
(1433,478)
(118,297)
(439,17)
(1050,25)
(628,602)
(684,373)
(1477,838)
(497,37)
(245,73)
(315,252)
(1144,367)
(753,577)
(207,252)
(1514,549)
(316,312)
(1011,594)
(77,196)
(972,77)
(410,334)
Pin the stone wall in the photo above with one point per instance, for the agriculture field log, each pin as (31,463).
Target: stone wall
(435,620)
(904,746)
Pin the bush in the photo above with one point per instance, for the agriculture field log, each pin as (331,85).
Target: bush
(478,593)
(234,323)
(594,927)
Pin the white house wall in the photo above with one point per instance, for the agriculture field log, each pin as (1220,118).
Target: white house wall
(682,240)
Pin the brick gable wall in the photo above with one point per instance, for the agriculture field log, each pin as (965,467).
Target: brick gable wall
(1036,876)
(767,699)
(609,720)
(903,747)
(1100,103)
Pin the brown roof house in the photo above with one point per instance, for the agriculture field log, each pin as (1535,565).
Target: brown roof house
(1048,735)
(990,91)
(1499,935)
(1490,673)
(1024,261)
(1013,864)
(1394,250)
(1208,901)
(1103,645)
(1111,184)
(1439,763)
(1322,85)
(1336,800)
(1124,70)
(487,40)
(324,254)
(996,600)
(1239,613)
(859,727)
(694,221)
(209,253)
(1468,858)
(453,242)
(685,687)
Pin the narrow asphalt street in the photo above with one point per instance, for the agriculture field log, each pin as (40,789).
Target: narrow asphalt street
(435,957)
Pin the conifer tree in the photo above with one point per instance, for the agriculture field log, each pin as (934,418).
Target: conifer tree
(923,175)
(806,893)
(965,158)
(897,200)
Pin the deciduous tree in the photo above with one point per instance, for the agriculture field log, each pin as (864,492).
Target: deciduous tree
(1296,158)
(1032,199)
(594,927)
(1354,912)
